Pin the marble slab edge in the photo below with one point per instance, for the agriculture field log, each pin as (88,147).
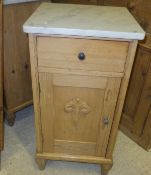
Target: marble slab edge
(7,2)
(83,33)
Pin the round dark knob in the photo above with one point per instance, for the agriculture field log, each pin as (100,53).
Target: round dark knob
(81,56)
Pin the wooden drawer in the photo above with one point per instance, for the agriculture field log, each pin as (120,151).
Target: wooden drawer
(103,56)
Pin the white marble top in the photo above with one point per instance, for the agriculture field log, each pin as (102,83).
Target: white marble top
(6,2)
(84,20)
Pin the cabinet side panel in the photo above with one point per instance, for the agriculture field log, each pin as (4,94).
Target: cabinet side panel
(35,87)
(47,111)
(121,98)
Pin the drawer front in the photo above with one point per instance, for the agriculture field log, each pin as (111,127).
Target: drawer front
(97,55)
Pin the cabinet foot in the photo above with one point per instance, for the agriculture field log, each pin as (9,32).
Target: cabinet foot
(105,169)
(41,163)
(10,119)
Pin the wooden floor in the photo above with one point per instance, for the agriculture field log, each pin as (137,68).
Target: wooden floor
(18,156)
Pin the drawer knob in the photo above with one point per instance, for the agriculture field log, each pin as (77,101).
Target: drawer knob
(81,56)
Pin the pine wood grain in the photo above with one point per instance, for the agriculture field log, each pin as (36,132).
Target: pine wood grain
(110,99)
(67,157)
(136,116)
(17,79)
(36,91)
(1,83)
(47,112)
(80,72)
(98,54)
(79,111)
(121,98)
(80,148)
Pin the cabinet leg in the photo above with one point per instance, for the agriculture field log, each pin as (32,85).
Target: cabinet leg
(105,169)
(41,163)
(10,117)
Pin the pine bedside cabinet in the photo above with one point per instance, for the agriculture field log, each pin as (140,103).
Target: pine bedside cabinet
(81,60)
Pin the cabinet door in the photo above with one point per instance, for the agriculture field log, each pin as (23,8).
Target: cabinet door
(77,112)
